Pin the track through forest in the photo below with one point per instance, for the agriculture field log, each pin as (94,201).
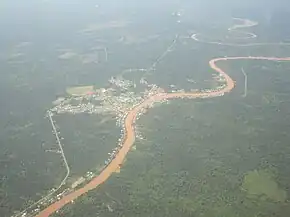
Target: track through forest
(130,119)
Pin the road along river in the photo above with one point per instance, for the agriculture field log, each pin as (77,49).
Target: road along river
(130,132)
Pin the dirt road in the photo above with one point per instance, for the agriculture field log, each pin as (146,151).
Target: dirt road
(130,133)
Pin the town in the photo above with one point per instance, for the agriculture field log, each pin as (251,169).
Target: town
(116,100)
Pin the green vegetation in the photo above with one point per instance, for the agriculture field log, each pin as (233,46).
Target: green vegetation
(198,154)
(202,158)
(261,184)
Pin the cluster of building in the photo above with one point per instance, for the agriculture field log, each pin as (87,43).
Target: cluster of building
(219,77)
(121,123)
(44,203)
(221,87)
(115,151)
(90,175)
(78,182)
(122,83)
(121,118)
(122,102)
(154,89)
(89,108)
(107,103)
(178,91)
(119,104)
(143,81)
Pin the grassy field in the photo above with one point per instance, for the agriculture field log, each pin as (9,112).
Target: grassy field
(80,90)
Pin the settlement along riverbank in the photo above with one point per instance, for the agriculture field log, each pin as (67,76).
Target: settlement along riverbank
(130,132)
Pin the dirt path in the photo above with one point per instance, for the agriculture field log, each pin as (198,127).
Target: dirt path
(130,133)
